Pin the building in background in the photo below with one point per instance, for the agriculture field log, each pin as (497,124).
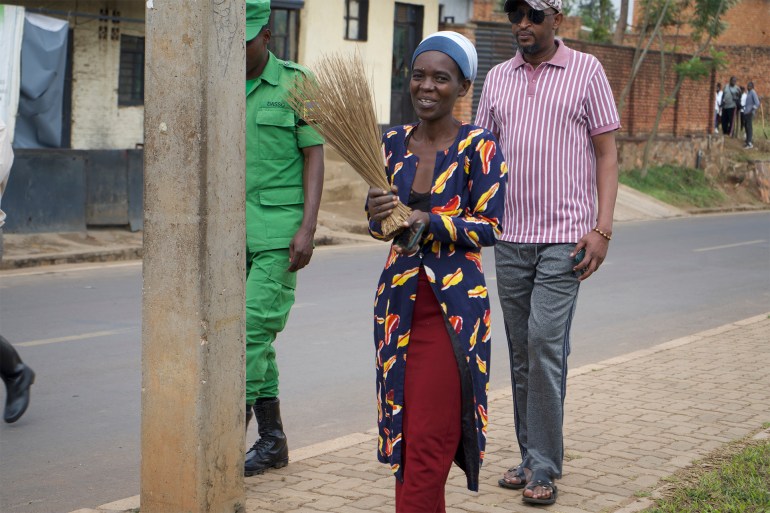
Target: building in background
(91,173)
(103,96)
(82,67)
(102,103)
(745,42)
(102,99)
(384,32)
(103,71)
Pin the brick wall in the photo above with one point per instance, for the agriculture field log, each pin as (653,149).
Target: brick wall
(570,27)
(690,114)
(745,63)
(746,24)
(487,10)
(748,63)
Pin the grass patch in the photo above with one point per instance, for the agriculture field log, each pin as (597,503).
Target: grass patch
(732,480)
(678,186)
(759,131)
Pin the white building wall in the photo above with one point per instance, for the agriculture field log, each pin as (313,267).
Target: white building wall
(460,10)
(99,123)
(322,31)
(97,120)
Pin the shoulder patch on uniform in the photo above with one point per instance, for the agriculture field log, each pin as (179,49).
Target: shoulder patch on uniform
(298,67)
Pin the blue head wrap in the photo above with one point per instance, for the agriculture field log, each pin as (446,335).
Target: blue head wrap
(456,46)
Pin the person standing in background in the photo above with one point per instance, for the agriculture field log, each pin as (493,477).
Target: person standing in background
(730,101)
(554,114)
(742,105)
(718,108)
(752,105)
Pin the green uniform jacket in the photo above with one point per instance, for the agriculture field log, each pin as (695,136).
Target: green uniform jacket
(275,136)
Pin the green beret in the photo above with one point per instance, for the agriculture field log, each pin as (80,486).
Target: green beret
(257,14)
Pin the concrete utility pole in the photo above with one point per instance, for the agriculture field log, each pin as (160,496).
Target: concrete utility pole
(194,263)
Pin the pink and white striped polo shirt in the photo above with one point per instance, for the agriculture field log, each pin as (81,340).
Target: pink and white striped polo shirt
(544,119)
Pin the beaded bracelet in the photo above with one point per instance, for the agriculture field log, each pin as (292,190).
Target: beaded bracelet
(605,235)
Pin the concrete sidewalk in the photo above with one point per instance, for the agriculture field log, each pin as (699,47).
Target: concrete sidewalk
(114,244)
(38,249)
(630,422)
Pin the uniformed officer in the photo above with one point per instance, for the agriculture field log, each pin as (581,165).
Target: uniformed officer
(284,179)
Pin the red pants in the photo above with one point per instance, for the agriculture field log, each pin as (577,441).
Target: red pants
(432,402)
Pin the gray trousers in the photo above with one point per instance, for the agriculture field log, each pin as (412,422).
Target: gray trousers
(538,292)
(749,124)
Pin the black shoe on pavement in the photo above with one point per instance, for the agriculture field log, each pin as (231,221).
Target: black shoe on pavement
(17,389)
(271,449)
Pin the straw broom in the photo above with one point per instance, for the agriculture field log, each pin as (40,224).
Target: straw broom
(339,104)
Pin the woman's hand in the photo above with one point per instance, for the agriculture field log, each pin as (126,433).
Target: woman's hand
(381,202)
(416,218)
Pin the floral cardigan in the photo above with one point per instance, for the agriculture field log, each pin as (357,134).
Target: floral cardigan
(467,201)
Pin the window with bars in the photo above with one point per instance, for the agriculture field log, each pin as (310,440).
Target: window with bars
(284,25)
(131,75)
(356,19)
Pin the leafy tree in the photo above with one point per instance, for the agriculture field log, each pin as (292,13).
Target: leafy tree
(620,26)
(657,14)
(599,17)
(707,24)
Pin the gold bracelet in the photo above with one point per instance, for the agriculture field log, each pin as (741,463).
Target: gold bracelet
(606,236)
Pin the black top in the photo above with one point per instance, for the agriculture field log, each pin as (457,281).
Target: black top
(419,201)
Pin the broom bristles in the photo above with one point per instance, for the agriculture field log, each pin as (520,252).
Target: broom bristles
(339,104)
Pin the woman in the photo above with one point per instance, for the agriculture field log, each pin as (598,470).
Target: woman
(431,303)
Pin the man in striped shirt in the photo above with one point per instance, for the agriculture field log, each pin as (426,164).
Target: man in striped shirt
(553,112)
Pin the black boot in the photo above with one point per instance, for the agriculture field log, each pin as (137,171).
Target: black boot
(270,451)
(18,378)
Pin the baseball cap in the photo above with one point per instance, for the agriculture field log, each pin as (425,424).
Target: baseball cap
(538,5)
(257,15)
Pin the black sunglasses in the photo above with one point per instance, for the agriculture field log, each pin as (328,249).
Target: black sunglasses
(536,17)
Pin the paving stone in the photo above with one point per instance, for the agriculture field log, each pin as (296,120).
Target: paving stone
(367,503)
(387,508)
(628,424)
(560,508)
(605,502)
(329,503)
(352,509)
(576,494)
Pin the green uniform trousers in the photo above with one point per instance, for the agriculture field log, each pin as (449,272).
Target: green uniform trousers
(269,298)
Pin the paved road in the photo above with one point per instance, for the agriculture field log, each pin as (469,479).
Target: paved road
(78,444)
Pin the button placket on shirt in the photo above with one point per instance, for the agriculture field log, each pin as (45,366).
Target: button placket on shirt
(532,76)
